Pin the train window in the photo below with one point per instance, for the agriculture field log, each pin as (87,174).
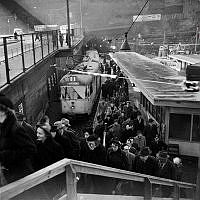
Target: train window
(72,78)
(91,89)
(196,128)
(71,93)
(180,132)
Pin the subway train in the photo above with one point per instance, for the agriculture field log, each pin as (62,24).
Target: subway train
(79,88)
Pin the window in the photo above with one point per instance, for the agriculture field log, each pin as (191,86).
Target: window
(91,89)
(196,128)
(72,78)
(179,126)
(70,93)
(184,127)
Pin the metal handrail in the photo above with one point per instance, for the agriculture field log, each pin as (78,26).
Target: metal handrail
(71,167)
(46,42)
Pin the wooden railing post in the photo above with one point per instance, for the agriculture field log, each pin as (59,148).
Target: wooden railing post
(176,192)
(147,189)
(71,184)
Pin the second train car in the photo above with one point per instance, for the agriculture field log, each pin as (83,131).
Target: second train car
(78,90)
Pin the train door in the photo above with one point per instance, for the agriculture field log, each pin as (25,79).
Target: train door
(52,85)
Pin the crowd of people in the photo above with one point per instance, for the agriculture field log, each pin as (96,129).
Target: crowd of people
(121,139)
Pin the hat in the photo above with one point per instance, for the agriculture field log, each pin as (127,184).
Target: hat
(5,101)
(59,124)
(65,122)
(92,138)
(44,127)
(116,142)
(163,154)
(145,151)
(20,116)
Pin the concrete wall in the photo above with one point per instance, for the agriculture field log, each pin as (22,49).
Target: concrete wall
(29,92)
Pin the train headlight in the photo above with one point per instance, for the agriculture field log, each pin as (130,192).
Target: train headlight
(72,106)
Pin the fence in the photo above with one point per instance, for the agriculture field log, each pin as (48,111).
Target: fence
(73,168)
(19,53)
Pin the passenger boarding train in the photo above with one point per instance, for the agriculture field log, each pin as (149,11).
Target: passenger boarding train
(78,91)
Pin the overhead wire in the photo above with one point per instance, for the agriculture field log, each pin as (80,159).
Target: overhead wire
(118,35)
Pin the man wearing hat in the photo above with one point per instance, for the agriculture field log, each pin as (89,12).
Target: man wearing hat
(145,163)
(63,138)
(117,158)
(166,167)
(99,128)
(128,109)
(166,170)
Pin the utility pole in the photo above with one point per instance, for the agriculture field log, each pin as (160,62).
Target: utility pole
(81,15)
(196,41)
(68,24)
(164,37)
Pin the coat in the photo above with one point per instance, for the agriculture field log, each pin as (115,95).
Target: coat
(167,171)
(117,159)
(96,156)
(149,167)
(48,153)
(16,150)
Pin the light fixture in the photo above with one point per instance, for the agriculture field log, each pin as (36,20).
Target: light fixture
(125,46)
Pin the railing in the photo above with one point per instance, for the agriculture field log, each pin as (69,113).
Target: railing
(18,54)
(73,168)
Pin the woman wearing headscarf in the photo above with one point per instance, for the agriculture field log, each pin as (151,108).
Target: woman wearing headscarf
(16,147)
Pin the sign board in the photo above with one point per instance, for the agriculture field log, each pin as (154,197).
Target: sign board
(64,28)
(46,27)
(142,18)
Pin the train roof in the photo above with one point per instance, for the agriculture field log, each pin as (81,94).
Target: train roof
(160,84)
(91,64)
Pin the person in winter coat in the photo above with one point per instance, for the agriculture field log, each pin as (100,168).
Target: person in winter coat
(117,158)
(150,131)
(92,151)
(16,147)
(130,156)
(28,128)
(67,139)
(49,151)
(157,145)
(140,140)
(145,164)
(166,170)
(139,122)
